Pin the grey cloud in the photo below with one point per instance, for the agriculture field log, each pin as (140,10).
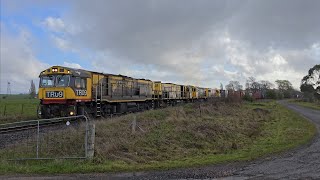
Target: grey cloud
(178,40)
(143,30)
(281,24)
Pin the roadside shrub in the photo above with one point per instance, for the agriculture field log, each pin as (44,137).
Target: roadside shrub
(308,97)
(271,94)
(287,94)
(247,97)
(280,95)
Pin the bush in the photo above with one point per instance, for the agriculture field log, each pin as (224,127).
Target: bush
(308,97)
(280,95)
(271,94)
(247,97)
(287,94)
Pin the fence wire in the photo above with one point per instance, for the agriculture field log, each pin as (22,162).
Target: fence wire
(45,139)
(18,109)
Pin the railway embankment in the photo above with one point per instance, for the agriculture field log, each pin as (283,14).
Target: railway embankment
(184,136)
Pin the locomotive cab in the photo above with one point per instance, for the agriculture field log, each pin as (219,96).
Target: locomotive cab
(61,90)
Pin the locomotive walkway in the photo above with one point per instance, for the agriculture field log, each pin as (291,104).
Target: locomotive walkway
(300,163)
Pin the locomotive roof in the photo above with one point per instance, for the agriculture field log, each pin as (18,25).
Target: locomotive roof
(84,73)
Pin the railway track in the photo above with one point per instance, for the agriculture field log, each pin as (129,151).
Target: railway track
(34,124)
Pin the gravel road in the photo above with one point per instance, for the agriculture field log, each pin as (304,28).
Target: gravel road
(301,163)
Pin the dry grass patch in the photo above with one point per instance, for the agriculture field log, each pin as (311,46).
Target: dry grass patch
(178,132)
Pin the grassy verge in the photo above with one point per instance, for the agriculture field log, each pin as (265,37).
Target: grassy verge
(182,137)
(17,107)
(315,106)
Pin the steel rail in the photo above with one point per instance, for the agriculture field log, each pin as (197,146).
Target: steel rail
(25,125)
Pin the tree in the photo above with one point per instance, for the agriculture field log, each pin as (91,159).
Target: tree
(251,80)
(307,88)
(32,90)
(252,84)
(234,86)
(284,85)
(310,84)
(285,88)
(266,85)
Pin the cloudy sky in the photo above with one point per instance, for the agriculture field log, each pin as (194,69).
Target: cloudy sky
(203,42)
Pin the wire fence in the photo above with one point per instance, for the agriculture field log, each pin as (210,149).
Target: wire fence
(68,137)
(14,109)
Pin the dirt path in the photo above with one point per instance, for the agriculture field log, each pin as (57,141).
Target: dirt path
(302,163)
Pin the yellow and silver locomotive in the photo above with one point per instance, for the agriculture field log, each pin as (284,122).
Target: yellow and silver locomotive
(66,91)
(62,89)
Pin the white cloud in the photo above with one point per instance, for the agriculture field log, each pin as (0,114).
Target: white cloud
(57,25)
(54,24)
(61,43)
(278,60)
(18,63)
(59,32)
(72,65)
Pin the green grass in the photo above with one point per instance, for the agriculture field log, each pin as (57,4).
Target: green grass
(17,107)
(179,137)
(311,105)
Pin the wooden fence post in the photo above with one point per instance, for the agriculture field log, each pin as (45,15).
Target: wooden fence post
(91,139)
(134,124)
(4,111)
(22,105)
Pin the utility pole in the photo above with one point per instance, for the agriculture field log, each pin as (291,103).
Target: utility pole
(8,88)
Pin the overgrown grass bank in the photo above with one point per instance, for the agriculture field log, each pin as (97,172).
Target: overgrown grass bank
(184,137)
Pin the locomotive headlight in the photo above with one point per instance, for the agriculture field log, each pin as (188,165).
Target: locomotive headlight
(54,70)
(71,113)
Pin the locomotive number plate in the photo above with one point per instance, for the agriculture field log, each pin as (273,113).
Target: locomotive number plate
(54,94)
(81,92)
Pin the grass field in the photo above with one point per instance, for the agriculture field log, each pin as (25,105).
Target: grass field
(183,137)
(17,107)
(307,104)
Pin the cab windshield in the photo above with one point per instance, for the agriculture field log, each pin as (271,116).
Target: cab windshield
(55,80)
(62,80)
(47,81)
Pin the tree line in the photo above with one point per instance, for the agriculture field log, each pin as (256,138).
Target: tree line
(284,88)
(309,89)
